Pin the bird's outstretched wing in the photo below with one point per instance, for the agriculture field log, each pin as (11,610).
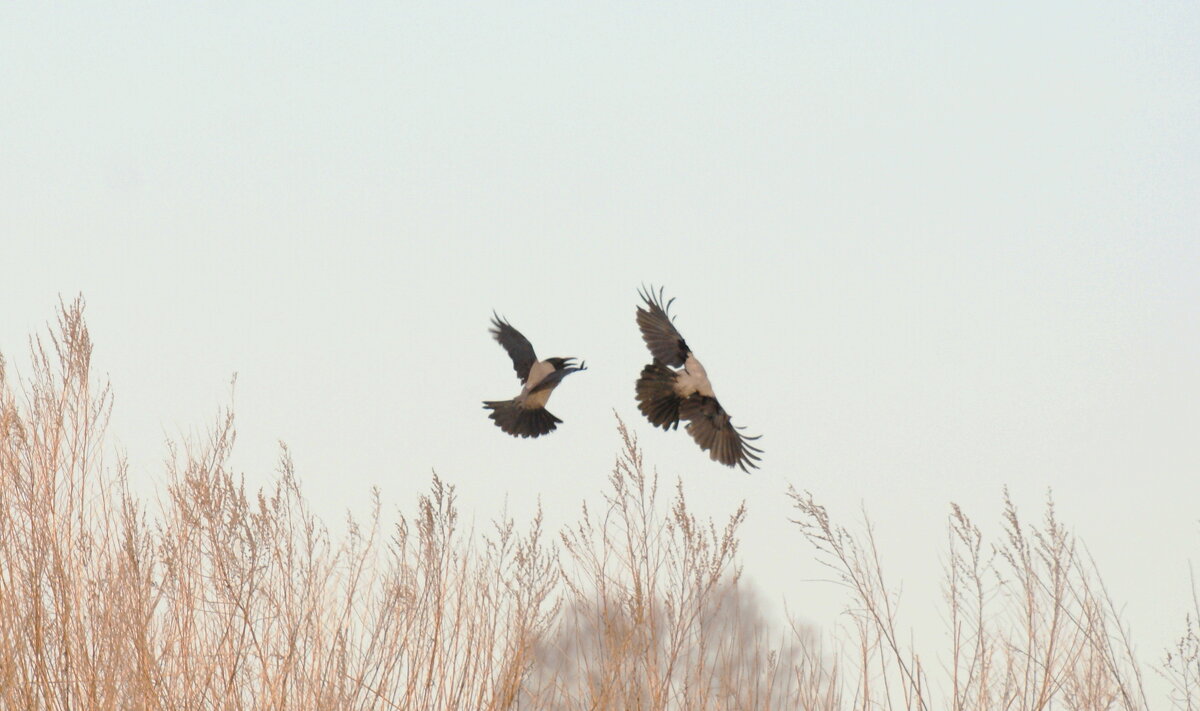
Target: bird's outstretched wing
(518,347)
(710,426)
(666,344)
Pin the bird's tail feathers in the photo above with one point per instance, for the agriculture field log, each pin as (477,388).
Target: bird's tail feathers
(656,396)
(519,421)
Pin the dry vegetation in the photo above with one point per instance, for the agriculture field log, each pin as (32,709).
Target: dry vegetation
(219,598)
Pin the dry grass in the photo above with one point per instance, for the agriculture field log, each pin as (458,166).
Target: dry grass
(656,619)
(223,599)
(1031,625)
(220,598)
(1181,666)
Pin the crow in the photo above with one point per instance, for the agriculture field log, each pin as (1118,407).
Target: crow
(525,415)
(666,395)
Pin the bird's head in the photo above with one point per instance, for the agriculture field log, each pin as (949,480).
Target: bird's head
(560,363)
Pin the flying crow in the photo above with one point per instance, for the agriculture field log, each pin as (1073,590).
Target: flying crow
(665,395)
(526,415)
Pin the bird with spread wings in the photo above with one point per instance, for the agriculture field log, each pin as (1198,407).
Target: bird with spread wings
(675,387)
(526,415)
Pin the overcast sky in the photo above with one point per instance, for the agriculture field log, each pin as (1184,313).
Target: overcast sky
(926,250)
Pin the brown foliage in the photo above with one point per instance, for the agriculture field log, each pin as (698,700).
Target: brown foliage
(1031,625)
(220,598)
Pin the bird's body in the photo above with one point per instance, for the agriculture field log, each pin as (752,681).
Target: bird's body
(693,379)
(525,415)
(675,387)
(537,373)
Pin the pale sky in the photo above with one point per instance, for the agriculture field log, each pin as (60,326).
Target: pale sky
(926,250)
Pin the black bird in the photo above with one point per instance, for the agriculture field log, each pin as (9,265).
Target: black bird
(665,395)
(526,414)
